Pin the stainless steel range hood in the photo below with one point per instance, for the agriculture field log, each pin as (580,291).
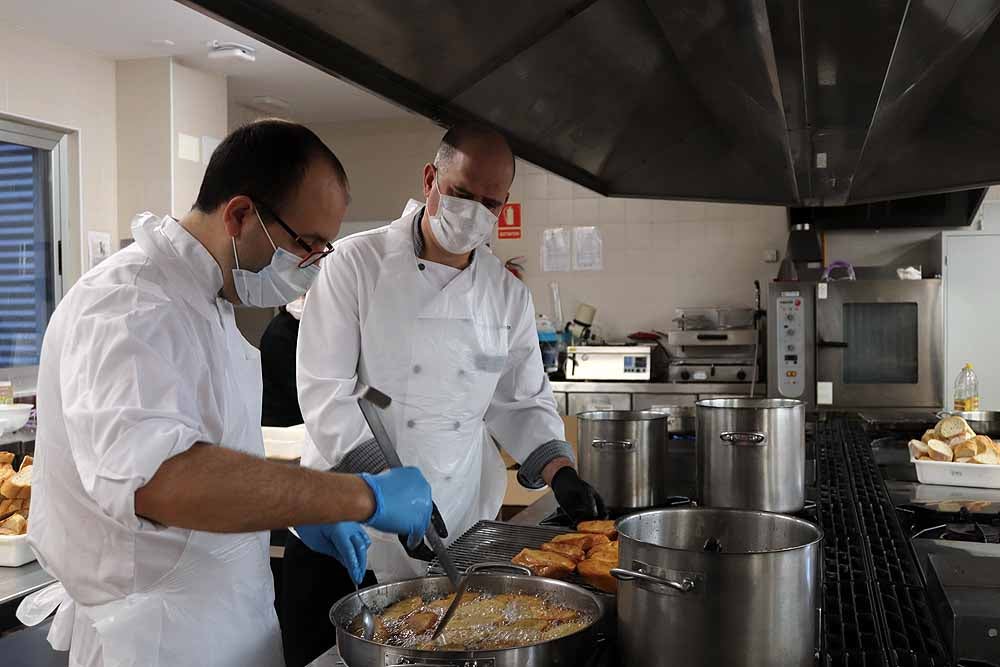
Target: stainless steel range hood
(771,101)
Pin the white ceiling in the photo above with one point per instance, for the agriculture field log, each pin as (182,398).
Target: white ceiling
(128,29)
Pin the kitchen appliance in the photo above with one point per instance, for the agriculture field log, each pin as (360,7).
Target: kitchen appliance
(624,455)
(713,344)
(610,362)
(751,453)
(958,552)
(718,587)
(856,343)
(568,650)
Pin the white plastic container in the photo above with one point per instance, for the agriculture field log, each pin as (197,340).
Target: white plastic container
(14,551)
(958,474)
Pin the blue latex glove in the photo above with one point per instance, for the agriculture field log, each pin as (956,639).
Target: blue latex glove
(346,541)
(402,503)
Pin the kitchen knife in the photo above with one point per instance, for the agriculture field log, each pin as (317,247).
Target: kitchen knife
(371,401)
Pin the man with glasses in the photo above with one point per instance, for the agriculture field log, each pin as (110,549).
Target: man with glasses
(152,499)
(424,311)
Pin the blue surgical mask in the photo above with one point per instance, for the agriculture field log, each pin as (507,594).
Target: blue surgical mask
(280,282)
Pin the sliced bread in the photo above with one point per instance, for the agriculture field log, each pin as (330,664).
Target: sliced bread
(951,426)
(965,450)
(940,451)
(918,448)
(18,486)
(929,435)
(989,458)
(6,458)
(14,525)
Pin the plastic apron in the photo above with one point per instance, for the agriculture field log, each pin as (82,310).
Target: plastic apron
(439,355)
(216,605)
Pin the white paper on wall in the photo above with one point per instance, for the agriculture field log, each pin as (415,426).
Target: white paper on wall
(555,249)
(588,249)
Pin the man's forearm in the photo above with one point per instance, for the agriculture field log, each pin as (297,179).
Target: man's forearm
(221,490)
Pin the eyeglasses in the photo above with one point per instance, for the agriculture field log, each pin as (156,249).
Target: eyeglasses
(314,255)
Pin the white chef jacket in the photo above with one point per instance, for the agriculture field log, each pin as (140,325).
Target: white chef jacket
(333,355)
(141,360)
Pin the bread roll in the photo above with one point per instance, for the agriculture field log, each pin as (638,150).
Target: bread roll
(940,451)
(949,427)
(964,459)
(929,435)
(961,438)
(966,450)
(14,525)
(925,458)
(987,458)
(6,458)
(983,444)
(18,486)
(918,448)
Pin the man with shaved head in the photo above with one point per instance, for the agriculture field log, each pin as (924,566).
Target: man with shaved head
(423,311)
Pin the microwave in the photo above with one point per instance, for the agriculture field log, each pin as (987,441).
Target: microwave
(856,343)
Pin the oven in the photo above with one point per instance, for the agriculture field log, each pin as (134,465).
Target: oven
(856,343)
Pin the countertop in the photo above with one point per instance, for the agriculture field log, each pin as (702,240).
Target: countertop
(17,582)
(742,388)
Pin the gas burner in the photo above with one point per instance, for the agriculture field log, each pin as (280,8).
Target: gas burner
(971,532)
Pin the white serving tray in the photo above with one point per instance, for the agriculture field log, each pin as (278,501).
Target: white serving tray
(14,551)
(957,474)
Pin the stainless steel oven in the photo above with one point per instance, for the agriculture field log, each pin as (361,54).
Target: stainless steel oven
(856,343)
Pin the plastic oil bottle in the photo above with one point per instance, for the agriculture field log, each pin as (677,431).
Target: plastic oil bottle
(966,390)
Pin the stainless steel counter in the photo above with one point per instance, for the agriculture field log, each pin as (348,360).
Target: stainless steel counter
(656,388)
(17,582)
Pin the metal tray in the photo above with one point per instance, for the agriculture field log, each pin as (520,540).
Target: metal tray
(495,541)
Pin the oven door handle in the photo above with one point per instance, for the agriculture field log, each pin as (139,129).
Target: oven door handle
(831,343)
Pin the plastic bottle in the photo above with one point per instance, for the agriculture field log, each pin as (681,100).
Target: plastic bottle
(548,340)
(966,390)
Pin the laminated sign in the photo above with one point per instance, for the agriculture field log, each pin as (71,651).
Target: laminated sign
(509,226)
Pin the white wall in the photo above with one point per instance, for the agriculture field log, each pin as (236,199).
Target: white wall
(658,254)
(51,84)
(384,162)
(200,109)
(144,183)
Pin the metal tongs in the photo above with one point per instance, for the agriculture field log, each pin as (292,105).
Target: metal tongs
(372,402)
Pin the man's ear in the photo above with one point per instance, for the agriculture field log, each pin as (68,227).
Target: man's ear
(236,213)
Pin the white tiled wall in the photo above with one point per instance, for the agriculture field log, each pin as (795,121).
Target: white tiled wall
(657,254)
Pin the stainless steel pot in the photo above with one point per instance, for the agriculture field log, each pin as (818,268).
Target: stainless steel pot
(624,456)
(751,453)
(708,587)
(569,650)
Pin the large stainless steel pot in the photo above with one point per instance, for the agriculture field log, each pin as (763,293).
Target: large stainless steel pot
(709,587)
(624,456)
(569,650)
(751,453)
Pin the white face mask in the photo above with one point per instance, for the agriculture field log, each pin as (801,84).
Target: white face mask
(278,283)
(460,224)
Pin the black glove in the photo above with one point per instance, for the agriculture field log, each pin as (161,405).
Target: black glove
(577,498)
(422,551)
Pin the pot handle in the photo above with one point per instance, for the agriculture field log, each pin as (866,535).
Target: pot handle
(744,438)
(497,565)
(613,445)
(684,585)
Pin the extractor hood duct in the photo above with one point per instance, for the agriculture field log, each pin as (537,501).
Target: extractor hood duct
(768,101)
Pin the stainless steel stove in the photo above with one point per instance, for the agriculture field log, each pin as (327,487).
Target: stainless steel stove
(955,535)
